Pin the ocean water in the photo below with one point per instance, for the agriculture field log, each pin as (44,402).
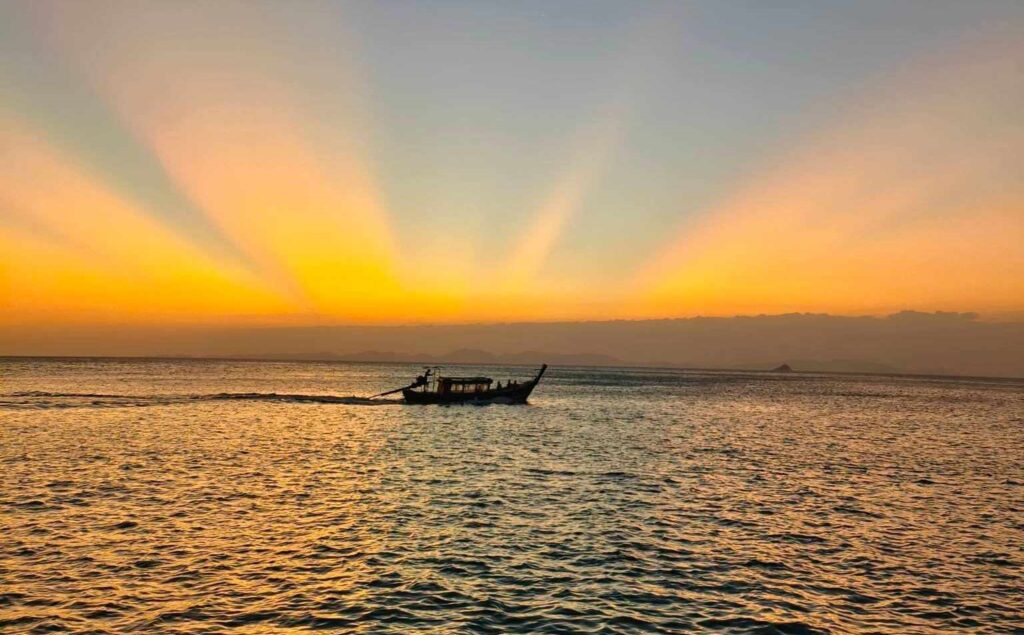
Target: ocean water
(199,497)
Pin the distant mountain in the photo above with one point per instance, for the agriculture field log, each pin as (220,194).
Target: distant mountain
(905,342)
(457,356)
(472,356)
(467,356)
(565,359)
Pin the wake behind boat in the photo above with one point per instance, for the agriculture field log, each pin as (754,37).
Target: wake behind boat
(433,388)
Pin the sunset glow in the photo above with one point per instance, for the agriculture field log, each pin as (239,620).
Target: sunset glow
(241,164)
(910,198)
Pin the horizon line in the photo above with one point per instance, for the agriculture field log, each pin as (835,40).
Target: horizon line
(623,365)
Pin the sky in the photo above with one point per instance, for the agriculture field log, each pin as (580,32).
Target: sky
(305,163)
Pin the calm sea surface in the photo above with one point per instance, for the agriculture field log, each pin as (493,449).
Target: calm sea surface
(137,496)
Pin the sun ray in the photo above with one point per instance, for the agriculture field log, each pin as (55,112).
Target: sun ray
(859,217)
(99,258)
(594,147)
(594,144)
(233,135)
(44,90)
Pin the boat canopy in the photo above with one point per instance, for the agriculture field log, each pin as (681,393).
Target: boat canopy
(467,380)
(447,385)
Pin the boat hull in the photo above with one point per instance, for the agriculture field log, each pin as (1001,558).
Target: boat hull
(514,395)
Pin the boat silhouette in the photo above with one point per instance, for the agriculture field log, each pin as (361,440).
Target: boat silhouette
(434,388)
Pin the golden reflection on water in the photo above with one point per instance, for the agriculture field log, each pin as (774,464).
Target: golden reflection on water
(619,501)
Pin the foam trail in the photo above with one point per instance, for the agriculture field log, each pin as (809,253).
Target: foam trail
(39,400)
(256,396)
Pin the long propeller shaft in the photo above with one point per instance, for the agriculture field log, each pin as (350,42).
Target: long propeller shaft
(391,392)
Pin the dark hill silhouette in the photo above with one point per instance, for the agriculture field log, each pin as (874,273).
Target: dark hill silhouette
(909,342)
(459,356)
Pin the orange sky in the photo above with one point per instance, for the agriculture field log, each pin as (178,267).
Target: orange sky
(163,167)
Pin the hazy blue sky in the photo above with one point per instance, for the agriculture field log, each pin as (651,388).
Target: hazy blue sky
(489,96)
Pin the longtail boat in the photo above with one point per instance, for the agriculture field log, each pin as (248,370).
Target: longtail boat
(433,388)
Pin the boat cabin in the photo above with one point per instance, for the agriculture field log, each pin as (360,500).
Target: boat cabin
(461,385)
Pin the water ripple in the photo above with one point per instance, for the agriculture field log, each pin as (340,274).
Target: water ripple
(245,496)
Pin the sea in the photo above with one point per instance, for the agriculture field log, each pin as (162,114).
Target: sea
(204,496)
